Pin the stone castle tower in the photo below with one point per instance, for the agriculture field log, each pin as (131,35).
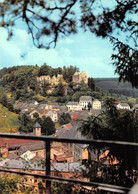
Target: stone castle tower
(78,77)
(37,129)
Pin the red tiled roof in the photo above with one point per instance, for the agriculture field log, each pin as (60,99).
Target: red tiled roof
(75,116)
(13,143)
(61,159)
(117,102)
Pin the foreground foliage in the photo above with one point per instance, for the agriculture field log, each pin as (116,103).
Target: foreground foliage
(115,125)
(10,184)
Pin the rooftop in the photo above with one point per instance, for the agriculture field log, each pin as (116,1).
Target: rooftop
(85,98)
(37,125)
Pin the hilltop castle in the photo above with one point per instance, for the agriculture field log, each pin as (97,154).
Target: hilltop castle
(78,77)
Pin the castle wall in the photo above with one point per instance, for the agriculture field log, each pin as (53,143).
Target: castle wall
(52,80)
(78,77)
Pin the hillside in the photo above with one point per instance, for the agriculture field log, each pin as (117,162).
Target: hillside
(113,86)
(9,122)
(27,83)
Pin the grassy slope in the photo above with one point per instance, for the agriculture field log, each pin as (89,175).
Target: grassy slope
(10,123)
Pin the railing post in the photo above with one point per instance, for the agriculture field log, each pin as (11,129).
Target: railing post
(48,183)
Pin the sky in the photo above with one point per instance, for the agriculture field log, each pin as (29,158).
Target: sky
(84,50)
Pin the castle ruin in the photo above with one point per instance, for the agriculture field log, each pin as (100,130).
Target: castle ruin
(78,77)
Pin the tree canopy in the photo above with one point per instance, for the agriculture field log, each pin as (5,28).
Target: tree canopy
(47,21)
(117,125)
(64,118)
(48,126)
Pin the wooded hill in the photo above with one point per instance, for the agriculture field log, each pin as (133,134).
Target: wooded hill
(113,86)
(22,83)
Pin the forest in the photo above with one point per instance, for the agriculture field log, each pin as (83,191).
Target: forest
(114,86)
(21,83)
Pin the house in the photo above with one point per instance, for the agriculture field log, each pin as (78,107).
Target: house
(42,106)
(62,108)
(26,111)
(73,106)
(25,106)
(53,115)
(84,101)
(51,105)
(123,106)
(80,152)
(32,105)
(28,155)
(13,145)
(82,116)
(69,151)
(96,104)
(65,149)
(33,112)
(39,111)
(34,148)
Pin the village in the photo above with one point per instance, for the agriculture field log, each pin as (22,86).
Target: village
(68,97)
(67,159)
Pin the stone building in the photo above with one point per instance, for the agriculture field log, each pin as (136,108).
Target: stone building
(84,101)
(73,106)
(123,106)
(96,104)
(78,77)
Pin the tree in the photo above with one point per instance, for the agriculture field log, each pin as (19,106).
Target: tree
(98,17)
(68,72)
(45,86)
(44,70)
(132,102)
(8,184)
(10,107)
(118,125)
(89,106)
(91,83)
(26,124)
(64,118)
(4,100)
(60,90)
(48,126)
